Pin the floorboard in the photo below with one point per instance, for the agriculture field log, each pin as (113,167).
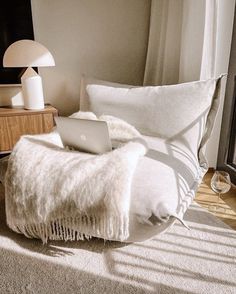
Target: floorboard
(225,207)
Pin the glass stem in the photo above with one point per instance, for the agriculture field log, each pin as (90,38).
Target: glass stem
(218,198)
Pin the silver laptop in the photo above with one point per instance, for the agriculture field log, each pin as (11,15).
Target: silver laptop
(85,135)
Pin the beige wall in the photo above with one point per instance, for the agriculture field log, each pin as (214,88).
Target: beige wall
(106,39)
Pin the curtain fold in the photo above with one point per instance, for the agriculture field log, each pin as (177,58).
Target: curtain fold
(182,41)
(208,64)
(162,64)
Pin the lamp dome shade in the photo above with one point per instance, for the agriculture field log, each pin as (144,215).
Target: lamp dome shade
(27,53)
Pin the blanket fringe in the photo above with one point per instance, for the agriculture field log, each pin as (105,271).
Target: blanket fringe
(76,228)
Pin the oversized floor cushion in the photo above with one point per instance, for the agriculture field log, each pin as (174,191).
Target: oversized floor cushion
(176,121)
(165,180)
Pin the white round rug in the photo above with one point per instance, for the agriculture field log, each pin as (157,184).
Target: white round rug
(180,261)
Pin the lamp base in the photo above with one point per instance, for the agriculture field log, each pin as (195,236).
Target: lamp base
(31,108)
(32,90)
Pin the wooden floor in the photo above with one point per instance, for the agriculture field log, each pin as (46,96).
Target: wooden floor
(225,208)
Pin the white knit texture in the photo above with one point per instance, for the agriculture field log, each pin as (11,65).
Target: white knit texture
(53,193)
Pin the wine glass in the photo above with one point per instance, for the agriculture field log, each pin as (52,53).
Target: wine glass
(220,183)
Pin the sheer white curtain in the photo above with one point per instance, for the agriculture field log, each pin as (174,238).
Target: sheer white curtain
(162,64)
(190,40)
(211,22)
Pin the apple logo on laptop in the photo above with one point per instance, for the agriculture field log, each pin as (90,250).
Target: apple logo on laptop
(83,137)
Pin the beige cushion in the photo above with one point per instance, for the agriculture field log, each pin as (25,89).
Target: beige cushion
(175,113)
(177,121)
(84,97)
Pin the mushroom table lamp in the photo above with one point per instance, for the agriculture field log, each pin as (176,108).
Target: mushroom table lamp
(29,53)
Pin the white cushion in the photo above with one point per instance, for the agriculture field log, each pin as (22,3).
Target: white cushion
(177,121)
(164,184)
(175,113)
(85,81)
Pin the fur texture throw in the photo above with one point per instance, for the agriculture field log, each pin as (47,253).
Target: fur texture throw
(54,193)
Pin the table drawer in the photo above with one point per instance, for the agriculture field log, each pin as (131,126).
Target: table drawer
(12,127)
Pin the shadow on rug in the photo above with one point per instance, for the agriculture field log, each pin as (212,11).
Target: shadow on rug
(198,261)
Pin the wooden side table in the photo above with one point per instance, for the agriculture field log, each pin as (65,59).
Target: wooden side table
(15,122)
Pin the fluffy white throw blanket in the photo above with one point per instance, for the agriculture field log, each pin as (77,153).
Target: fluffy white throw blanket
(54,193)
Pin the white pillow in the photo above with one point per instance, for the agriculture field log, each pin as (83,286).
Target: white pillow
(85,81)
(175,113)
